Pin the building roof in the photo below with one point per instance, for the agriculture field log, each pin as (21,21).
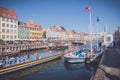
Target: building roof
(22,24)
(57,28)
(32,24)
(8,13)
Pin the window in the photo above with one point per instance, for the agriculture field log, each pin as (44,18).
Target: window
(15,31)
(3,30)
(11,31)
(14,17)
(108,39)
(11,20)
(7,20)
(15,37)
(3,36)
(7,36)
(7,30)
(11,37)
(11,25)
(9,16)
(3,19)
(16,22)
(7,25)
(15,26)
(3,24)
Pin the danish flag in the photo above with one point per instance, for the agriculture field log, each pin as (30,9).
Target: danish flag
(88,8)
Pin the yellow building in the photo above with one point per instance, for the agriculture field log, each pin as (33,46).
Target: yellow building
(70,34)
(63,35)
(36,31)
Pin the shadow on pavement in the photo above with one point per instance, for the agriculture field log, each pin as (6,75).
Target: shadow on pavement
(109,76)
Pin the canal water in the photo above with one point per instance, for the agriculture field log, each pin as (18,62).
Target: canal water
(53,70)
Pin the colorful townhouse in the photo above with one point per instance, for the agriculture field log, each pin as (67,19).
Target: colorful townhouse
(70,34)
(8,24)
(23,31)
(36,31)
(56,33)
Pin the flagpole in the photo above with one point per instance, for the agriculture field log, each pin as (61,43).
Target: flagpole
(90,32)
(97,35)
(90,25)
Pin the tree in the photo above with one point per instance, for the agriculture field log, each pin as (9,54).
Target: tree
(44,34)
(1,41)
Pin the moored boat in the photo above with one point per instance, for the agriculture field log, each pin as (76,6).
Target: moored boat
(22,62)
(74,59)
(76,56)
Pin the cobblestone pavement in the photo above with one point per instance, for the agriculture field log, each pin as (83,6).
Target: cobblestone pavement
(109,67)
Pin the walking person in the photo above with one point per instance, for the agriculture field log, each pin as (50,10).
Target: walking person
(114,43)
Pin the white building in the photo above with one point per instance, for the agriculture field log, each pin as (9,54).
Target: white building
(52,34)
(8,24)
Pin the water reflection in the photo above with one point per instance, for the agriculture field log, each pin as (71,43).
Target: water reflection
(75,66)
(18,74)
(92,68)
(53,70)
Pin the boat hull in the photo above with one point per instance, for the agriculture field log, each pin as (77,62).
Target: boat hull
(28,64)
(74,60)
(73,66)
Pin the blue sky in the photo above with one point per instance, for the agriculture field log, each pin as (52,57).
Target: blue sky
(70,14)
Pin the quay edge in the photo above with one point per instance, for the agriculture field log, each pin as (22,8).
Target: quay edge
(28,64)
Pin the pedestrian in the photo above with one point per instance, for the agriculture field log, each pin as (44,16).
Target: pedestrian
(114,43)
(0,63)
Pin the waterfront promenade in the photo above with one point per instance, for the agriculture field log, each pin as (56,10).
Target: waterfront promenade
(109,67)
(14,48)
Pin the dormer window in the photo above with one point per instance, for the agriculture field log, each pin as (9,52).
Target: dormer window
(3,14)
(9,16)
(14,17)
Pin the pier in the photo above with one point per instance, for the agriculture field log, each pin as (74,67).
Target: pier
(109,67)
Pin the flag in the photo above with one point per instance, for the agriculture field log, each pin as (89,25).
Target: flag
(97,19)
(88,8)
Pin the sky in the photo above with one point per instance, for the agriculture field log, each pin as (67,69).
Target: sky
(70,14)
